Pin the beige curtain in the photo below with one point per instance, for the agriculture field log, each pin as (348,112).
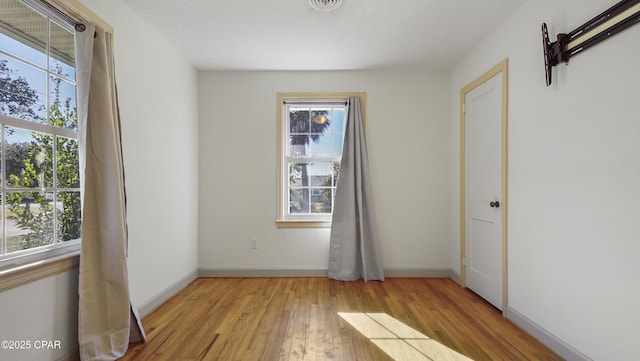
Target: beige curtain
(107,320)
(353,246)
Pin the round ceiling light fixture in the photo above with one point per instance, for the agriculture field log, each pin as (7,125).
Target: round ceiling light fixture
(325,5)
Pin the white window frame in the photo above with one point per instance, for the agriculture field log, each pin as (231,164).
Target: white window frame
(21,267)
(283,219)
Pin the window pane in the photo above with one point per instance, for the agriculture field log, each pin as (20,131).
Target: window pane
(62,99)
(336,171)
(24,35)
(337,145)
(321,199)
(321,146)
(22,90)
(320,122)
(295,174)
(320,174)
(28,159)
(68,175)
(62,61)
(68,208)
(298,120)
(299,201)
(338,120)
(298,145)
(29,220)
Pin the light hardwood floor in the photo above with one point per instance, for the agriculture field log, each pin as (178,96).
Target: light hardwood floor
(264,319)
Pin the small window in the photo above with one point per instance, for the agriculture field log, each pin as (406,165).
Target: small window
(311,134)
(40,181)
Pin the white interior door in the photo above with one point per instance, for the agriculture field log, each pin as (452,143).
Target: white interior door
(483,190)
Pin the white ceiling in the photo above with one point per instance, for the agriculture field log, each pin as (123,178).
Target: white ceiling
(290,35)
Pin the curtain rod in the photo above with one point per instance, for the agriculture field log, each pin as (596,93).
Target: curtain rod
(79,26)
(316,101)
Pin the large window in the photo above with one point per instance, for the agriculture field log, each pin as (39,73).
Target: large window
(40,185)
(311,133)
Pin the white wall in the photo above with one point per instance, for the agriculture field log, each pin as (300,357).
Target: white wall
(157,94)
(158,106)
(574,170)
(407,134)
(44,310)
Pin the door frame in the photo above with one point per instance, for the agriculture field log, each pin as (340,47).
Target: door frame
(502,67)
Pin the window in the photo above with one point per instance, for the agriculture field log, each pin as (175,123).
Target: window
(311,133)
(40,182)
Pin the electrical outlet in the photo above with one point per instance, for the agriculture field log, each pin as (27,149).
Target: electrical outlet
(254,243)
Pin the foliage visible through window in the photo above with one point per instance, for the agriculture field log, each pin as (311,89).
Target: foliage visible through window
(314,147)
(40,190)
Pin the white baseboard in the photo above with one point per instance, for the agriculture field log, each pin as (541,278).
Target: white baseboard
(390,272)
(456,276)
(147,307)
(558,346)
(243,272)
(417,272)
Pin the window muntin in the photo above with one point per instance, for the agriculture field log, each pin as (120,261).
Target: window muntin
(39,188)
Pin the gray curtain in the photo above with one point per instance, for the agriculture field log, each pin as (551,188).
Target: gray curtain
(107,321)
(353,250)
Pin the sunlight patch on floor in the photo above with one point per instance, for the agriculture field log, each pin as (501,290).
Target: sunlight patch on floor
(399,341)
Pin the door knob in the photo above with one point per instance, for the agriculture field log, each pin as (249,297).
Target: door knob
(495,204)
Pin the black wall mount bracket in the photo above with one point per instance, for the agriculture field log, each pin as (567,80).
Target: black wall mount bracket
(614,20)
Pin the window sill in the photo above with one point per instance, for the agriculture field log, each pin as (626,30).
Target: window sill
(303,224)
(20,273)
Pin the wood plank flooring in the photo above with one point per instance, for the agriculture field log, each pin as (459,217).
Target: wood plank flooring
(296,319)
